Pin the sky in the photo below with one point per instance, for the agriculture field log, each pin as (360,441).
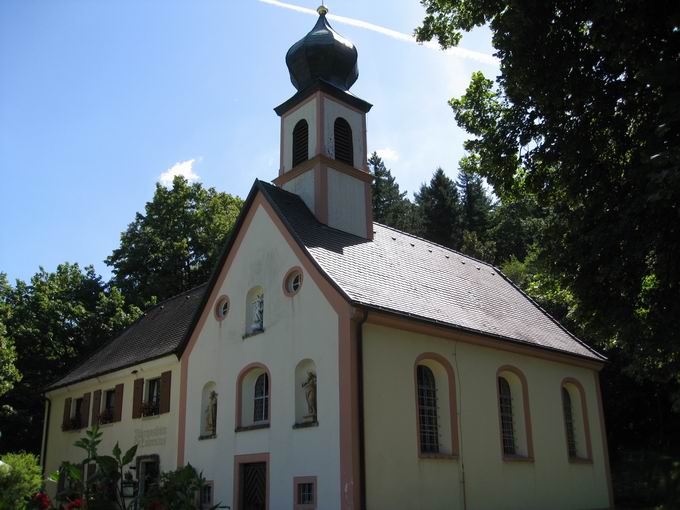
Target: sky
(99,101)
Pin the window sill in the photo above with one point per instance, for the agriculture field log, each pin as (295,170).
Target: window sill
(257,426)
(253,333)
(517,458)
(580,460)
(439,456)
(306,424)
(203,437)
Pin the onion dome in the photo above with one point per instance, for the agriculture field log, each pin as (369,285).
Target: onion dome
(323,54)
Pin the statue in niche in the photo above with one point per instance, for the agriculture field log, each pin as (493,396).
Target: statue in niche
(211,414)
(258,313)
(310,395)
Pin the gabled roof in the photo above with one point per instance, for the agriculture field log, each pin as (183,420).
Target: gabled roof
(410,276)
(395,273)
(156,334)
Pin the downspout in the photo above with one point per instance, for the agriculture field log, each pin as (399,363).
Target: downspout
(360,401)
(46,435)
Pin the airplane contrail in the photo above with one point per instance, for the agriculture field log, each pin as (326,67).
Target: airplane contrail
(394,34)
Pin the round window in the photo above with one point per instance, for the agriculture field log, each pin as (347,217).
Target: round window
(292,282)
(222,308)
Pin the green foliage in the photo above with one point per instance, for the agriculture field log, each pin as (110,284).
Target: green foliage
(476,206)
(175,243)
(177,490)
(55,320)
(19,480)
(440,209)
(390,205)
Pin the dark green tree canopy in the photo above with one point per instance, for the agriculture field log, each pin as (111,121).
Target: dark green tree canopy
(175,243)
(440,210)
(585,116)
(390,205)
(56,320)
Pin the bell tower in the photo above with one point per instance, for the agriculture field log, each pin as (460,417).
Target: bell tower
(323,132)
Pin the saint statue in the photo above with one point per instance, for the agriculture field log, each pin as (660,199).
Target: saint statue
(310,395)
(258,313)
(211,414)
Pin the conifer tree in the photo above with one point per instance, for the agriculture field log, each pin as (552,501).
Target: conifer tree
(476,204)
(440,210)
(390,205)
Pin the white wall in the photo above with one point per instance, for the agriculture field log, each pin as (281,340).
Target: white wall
(346,203)
(308,112)
(303,186)
(333,110)
(398,479)
(302,327)
(153,434)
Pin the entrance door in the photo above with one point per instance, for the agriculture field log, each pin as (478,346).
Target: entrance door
(253,488)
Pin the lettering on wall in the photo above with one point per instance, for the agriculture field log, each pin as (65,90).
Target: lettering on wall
(151,437)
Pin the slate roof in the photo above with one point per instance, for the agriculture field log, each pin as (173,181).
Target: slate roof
(395,272)
(157,333)
(410,276)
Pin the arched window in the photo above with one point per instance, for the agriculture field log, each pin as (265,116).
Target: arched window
(306,414)
(514,418)
(569,422)
(255,311)
(427,411)
(507,422)
(208,411)
(342,134)
(261,399)
(436,406)
(253,397)
(300,142)
(576,425)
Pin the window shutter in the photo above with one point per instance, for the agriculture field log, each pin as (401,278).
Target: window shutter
(166,378)
(300,142)
(118,403)
(137,397)
(85,411)
(342,133)
(96,405)
(65,424)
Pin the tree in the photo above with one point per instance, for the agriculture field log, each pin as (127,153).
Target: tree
(476,206)
(56,320)
(390,205)
(174,245)
(439,208)
(8,355)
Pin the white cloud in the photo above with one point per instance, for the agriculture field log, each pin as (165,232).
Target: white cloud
(183,168)
(388,154)
(394,34)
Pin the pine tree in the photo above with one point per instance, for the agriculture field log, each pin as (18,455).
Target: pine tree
(440,210)
(475,202)
(390,205)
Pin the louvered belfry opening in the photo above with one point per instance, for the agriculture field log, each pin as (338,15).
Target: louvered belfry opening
(300,142)
(342,133)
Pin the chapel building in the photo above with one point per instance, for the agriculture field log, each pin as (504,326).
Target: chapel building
(332,362)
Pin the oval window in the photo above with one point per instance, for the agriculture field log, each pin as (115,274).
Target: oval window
(222,308)
(292,282)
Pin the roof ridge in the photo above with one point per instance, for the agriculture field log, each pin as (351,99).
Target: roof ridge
(446,248)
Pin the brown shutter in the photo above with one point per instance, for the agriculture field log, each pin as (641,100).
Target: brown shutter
(96,405)
(85,411)
(166,378)
(118,402)
(137,396)
(66,423)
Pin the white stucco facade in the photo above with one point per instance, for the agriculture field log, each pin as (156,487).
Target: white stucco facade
(297,328)
(154,435)
(397,477)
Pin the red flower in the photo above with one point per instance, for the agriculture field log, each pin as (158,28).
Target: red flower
(75,503)
(41,501)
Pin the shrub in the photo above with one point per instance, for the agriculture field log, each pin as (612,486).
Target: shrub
(20,481)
